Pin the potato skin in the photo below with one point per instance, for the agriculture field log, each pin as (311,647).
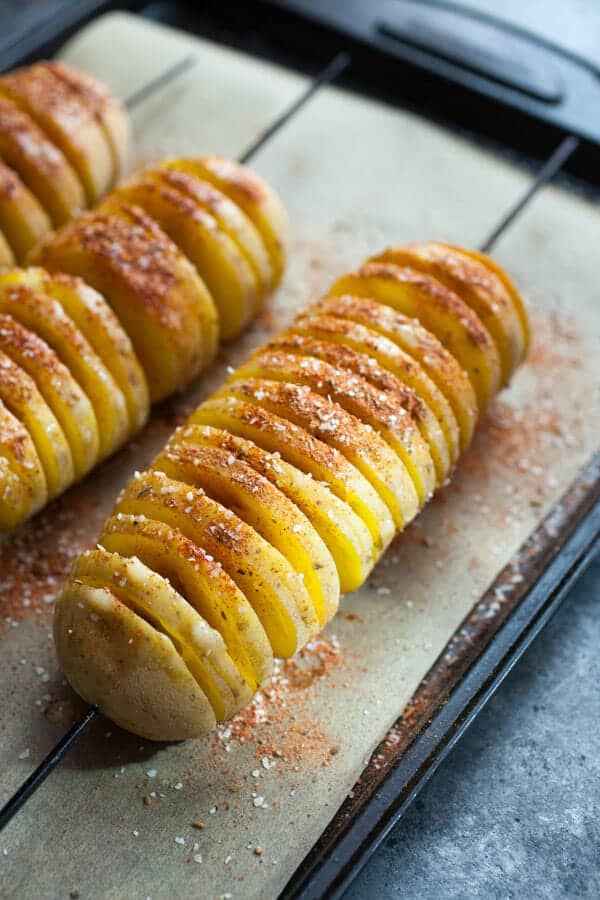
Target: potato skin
(317,424)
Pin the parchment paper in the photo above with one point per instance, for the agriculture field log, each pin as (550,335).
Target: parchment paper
(115,820)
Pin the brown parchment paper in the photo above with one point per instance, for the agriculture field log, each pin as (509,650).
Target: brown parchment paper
(116,819)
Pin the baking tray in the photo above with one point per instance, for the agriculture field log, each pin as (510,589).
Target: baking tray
(529,587)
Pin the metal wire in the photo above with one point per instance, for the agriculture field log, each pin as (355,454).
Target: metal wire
(332,71)
(160,81)
(40,774)
(550,168)
(337,65)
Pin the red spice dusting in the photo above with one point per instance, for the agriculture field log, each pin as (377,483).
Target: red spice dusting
(37,559)
(270,722)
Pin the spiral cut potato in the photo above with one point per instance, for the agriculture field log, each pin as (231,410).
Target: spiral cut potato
(284,489)
(64,143)
(125,306)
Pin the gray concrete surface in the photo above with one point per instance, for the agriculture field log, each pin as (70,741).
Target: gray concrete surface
(514,811)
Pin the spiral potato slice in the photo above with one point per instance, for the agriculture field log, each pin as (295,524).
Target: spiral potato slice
(509,287)
(327,420)
(21,397)
(379,359)
(312,456)
(67,119)
(252,195)
(196,232)
(254,499)
(11,488)
(6,255)
(230,217)
(294,601)
(264,576)
(393,394)
(42,167)
(108,111)
(22,220)
(153,289)
(43,315)
(62,393)
(204,583)
(440,310)
(344,534)
(410,336)
(477,285)
(100,327)
(24,491)
(114,657)
(152,597)
(297,473)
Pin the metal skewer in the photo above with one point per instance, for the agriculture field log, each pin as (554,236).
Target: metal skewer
(160,81)
(550,168)
(327,75)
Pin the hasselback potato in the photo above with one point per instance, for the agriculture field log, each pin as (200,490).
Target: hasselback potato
(122,307)
(284,489)
(64,143)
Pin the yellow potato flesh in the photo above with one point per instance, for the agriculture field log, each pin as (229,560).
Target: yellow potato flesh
(391,358)
(59,389)
(327,420)
(302,450)
(204,584)
(253,196)
(22,220)
(11,492)
(23,491)
(69,122)
(100,327)
(222,267)
(513,293)
(114,658)
(183,462)
(410,336)
(20,395)
(345,535)
(6,255)
(235,485)
(155,292)
(230,217)
(152,597)
(345,358)
(40,164)
(441,312)
(262,574)
(477,285)
(111,115)
(43,315)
